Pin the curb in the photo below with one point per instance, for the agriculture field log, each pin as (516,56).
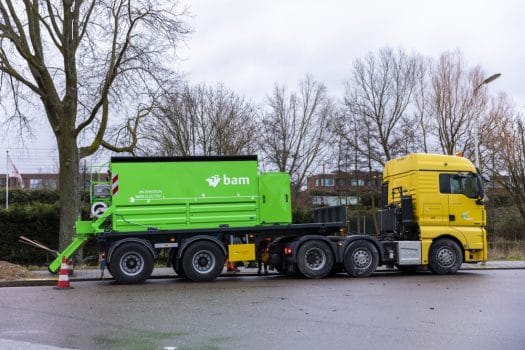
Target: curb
(28,283)
(53,282)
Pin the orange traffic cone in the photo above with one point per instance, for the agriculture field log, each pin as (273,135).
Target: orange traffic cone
(63,276)
(70,269)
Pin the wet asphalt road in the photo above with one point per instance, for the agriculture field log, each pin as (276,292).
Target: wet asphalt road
(470,310)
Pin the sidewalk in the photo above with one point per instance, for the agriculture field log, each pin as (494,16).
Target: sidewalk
(495,265)
(44,278)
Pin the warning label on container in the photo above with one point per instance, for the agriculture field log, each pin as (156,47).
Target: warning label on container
(147,195)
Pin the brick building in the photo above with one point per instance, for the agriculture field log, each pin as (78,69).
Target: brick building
(33,181)
(342,187)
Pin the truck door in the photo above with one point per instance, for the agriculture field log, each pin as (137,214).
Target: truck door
(464,194)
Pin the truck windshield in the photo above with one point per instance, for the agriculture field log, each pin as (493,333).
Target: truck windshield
(466,184)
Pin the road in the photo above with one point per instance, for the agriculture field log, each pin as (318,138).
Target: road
(470,310)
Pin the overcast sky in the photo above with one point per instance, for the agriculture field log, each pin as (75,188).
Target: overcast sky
(250,45)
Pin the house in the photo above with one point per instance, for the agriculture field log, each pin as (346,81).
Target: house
(33,181)
(342,187)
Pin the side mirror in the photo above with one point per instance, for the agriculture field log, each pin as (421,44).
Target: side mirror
(483,200)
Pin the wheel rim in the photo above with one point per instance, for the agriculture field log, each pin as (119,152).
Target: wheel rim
(131,263)
(203,261)
(446,257)
(362,258)
(315,259)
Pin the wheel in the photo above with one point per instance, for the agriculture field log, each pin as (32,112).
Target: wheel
(315,259)
(361,258)
(131,263)
(445,257)
(177,266)
(203,261)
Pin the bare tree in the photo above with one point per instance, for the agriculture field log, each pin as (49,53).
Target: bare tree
(295,129)
(80,61)
(203,120)
(454,103)
(504,135)
(376,99)
(421,120)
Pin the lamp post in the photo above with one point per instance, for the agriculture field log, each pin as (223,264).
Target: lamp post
(476,141)
(486,81)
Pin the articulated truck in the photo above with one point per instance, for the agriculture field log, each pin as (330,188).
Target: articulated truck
(206,210)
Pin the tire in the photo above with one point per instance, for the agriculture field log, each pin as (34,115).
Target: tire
(131,263)
(202,261)
(361,258)
(315,259)
(177,266)
(445,257)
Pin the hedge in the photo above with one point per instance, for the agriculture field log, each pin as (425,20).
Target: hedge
(38,221)
(25,197)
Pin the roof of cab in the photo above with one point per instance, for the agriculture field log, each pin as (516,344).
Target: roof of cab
(428,162)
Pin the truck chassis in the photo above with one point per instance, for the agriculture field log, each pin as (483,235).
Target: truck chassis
(313,250)
(200,254)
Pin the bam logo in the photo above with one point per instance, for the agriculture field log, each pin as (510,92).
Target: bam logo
(214,180)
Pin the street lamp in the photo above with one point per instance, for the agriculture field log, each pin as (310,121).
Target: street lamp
(476,141)
(486,81)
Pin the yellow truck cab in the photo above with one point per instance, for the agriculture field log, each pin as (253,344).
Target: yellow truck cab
(433,206)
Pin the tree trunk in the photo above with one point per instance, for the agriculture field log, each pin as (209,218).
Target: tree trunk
(68,184)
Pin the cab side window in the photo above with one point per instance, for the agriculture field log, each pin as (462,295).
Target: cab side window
(465,184)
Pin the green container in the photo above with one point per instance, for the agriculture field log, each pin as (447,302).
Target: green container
(195,192)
